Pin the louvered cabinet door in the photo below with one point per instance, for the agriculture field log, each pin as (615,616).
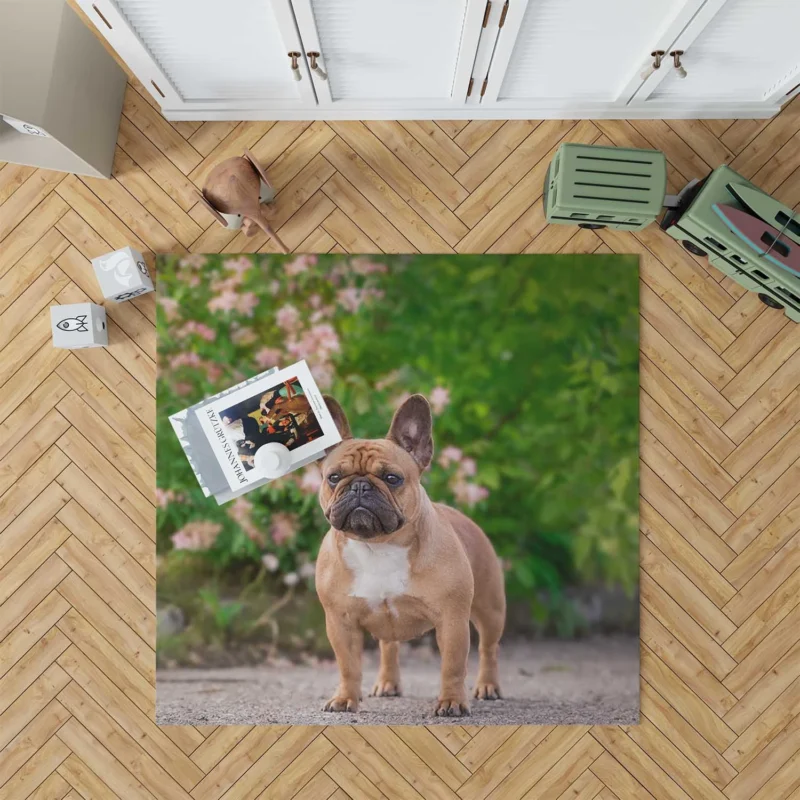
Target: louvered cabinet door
(390,54)
(208,54)
(577,54)
(734,51)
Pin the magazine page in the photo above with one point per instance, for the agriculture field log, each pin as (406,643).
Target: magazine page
(286,407)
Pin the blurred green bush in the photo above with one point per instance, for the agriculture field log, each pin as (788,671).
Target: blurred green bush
(530,364)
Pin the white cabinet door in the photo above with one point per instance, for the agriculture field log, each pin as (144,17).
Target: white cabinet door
(576,54)
(206,53)
(735,51)
(384,54)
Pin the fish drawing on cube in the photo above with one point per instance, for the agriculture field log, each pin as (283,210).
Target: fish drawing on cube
(122,275)
(78,325)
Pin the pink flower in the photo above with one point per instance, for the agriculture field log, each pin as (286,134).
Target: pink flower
(185,360)
(315,301)
(268,357)
(243,335)
(363,266)
(213,371)
(164,498)
(246,303)
(319,341)
(311,479)
(196,535)
(326,338)
(450,455)
(238,265)
(298,265)
(467,467)
(229,284)
(283,528)
(182,388)
(323,312)
(469,494)
(287,318)
(439,398)
(198,328)
(324,375)
(291,579)
(194,261)
(239,511)
(387,380)
(349,299)
(226,301)
(270,561)
(170,307)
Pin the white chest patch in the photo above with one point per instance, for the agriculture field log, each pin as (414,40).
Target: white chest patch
(380,571)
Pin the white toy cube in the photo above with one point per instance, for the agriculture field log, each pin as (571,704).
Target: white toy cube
(78,325)
(122,275)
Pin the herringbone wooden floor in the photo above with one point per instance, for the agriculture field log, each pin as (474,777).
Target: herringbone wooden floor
(720,485)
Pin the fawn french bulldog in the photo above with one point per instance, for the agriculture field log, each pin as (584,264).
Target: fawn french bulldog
(396,564)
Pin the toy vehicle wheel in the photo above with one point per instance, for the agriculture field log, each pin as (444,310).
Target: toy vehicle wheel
(592,226)
(693,248)
(769,301)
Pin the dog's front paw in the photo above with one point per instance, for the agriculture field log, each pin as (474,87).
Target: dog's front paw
(486,690)
(385,689)
(452,707)
(341,703)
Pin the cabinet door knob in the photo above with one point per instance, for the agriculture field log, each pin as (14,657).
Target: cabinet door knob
(651,68)
(315,68)
(296,74)
(676,60)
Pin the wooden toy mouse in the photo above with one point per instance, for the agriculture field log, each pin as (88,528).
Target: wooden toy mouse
(233,189)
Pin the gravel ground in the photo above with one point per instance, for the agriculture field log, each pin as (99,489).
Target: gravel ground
(594,682)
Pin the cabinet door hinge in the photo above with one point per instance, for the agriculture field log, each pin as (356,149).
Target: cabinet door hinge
(503,15)
(469,88)
(486,13)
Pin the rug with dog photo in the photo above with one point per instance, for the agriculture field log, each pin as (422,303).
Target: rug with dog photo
(458,543)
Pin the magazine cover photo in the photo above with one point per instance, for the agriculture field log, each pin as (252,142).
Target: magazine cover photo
(454,539)
(282,414)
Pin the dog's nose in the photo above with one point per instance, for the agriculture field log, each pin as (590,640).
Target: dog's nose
(360,486)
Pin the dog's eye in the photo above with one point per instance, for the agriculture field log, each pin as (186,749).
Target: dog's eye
(392,479)
(334,478)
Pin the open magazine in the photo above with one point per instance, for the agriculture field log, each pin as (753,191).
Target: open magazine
(222,434)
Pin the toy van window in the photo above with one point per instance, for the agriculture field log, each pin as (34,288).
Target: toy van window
(781,248)
(604,216)
(576,214)
(790,295)
(714,243)
(737,259)
(759,274)
(792,225)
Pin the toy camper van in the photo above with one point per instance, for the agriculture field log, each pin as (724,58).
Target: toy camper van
(704,223)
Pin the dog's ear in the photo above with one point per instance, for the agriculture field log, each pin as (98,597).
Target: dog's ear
(339,417)
(412,429)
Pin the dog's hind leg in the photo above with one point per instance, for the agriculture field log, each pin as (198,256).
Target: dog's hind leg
(489,620)
(388,681)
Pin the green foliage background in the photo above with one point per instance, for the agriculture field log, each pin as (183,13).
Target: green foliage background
(540,357)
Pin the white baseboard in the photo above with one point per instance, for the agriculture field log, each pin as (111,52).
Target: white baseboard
(649,111)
